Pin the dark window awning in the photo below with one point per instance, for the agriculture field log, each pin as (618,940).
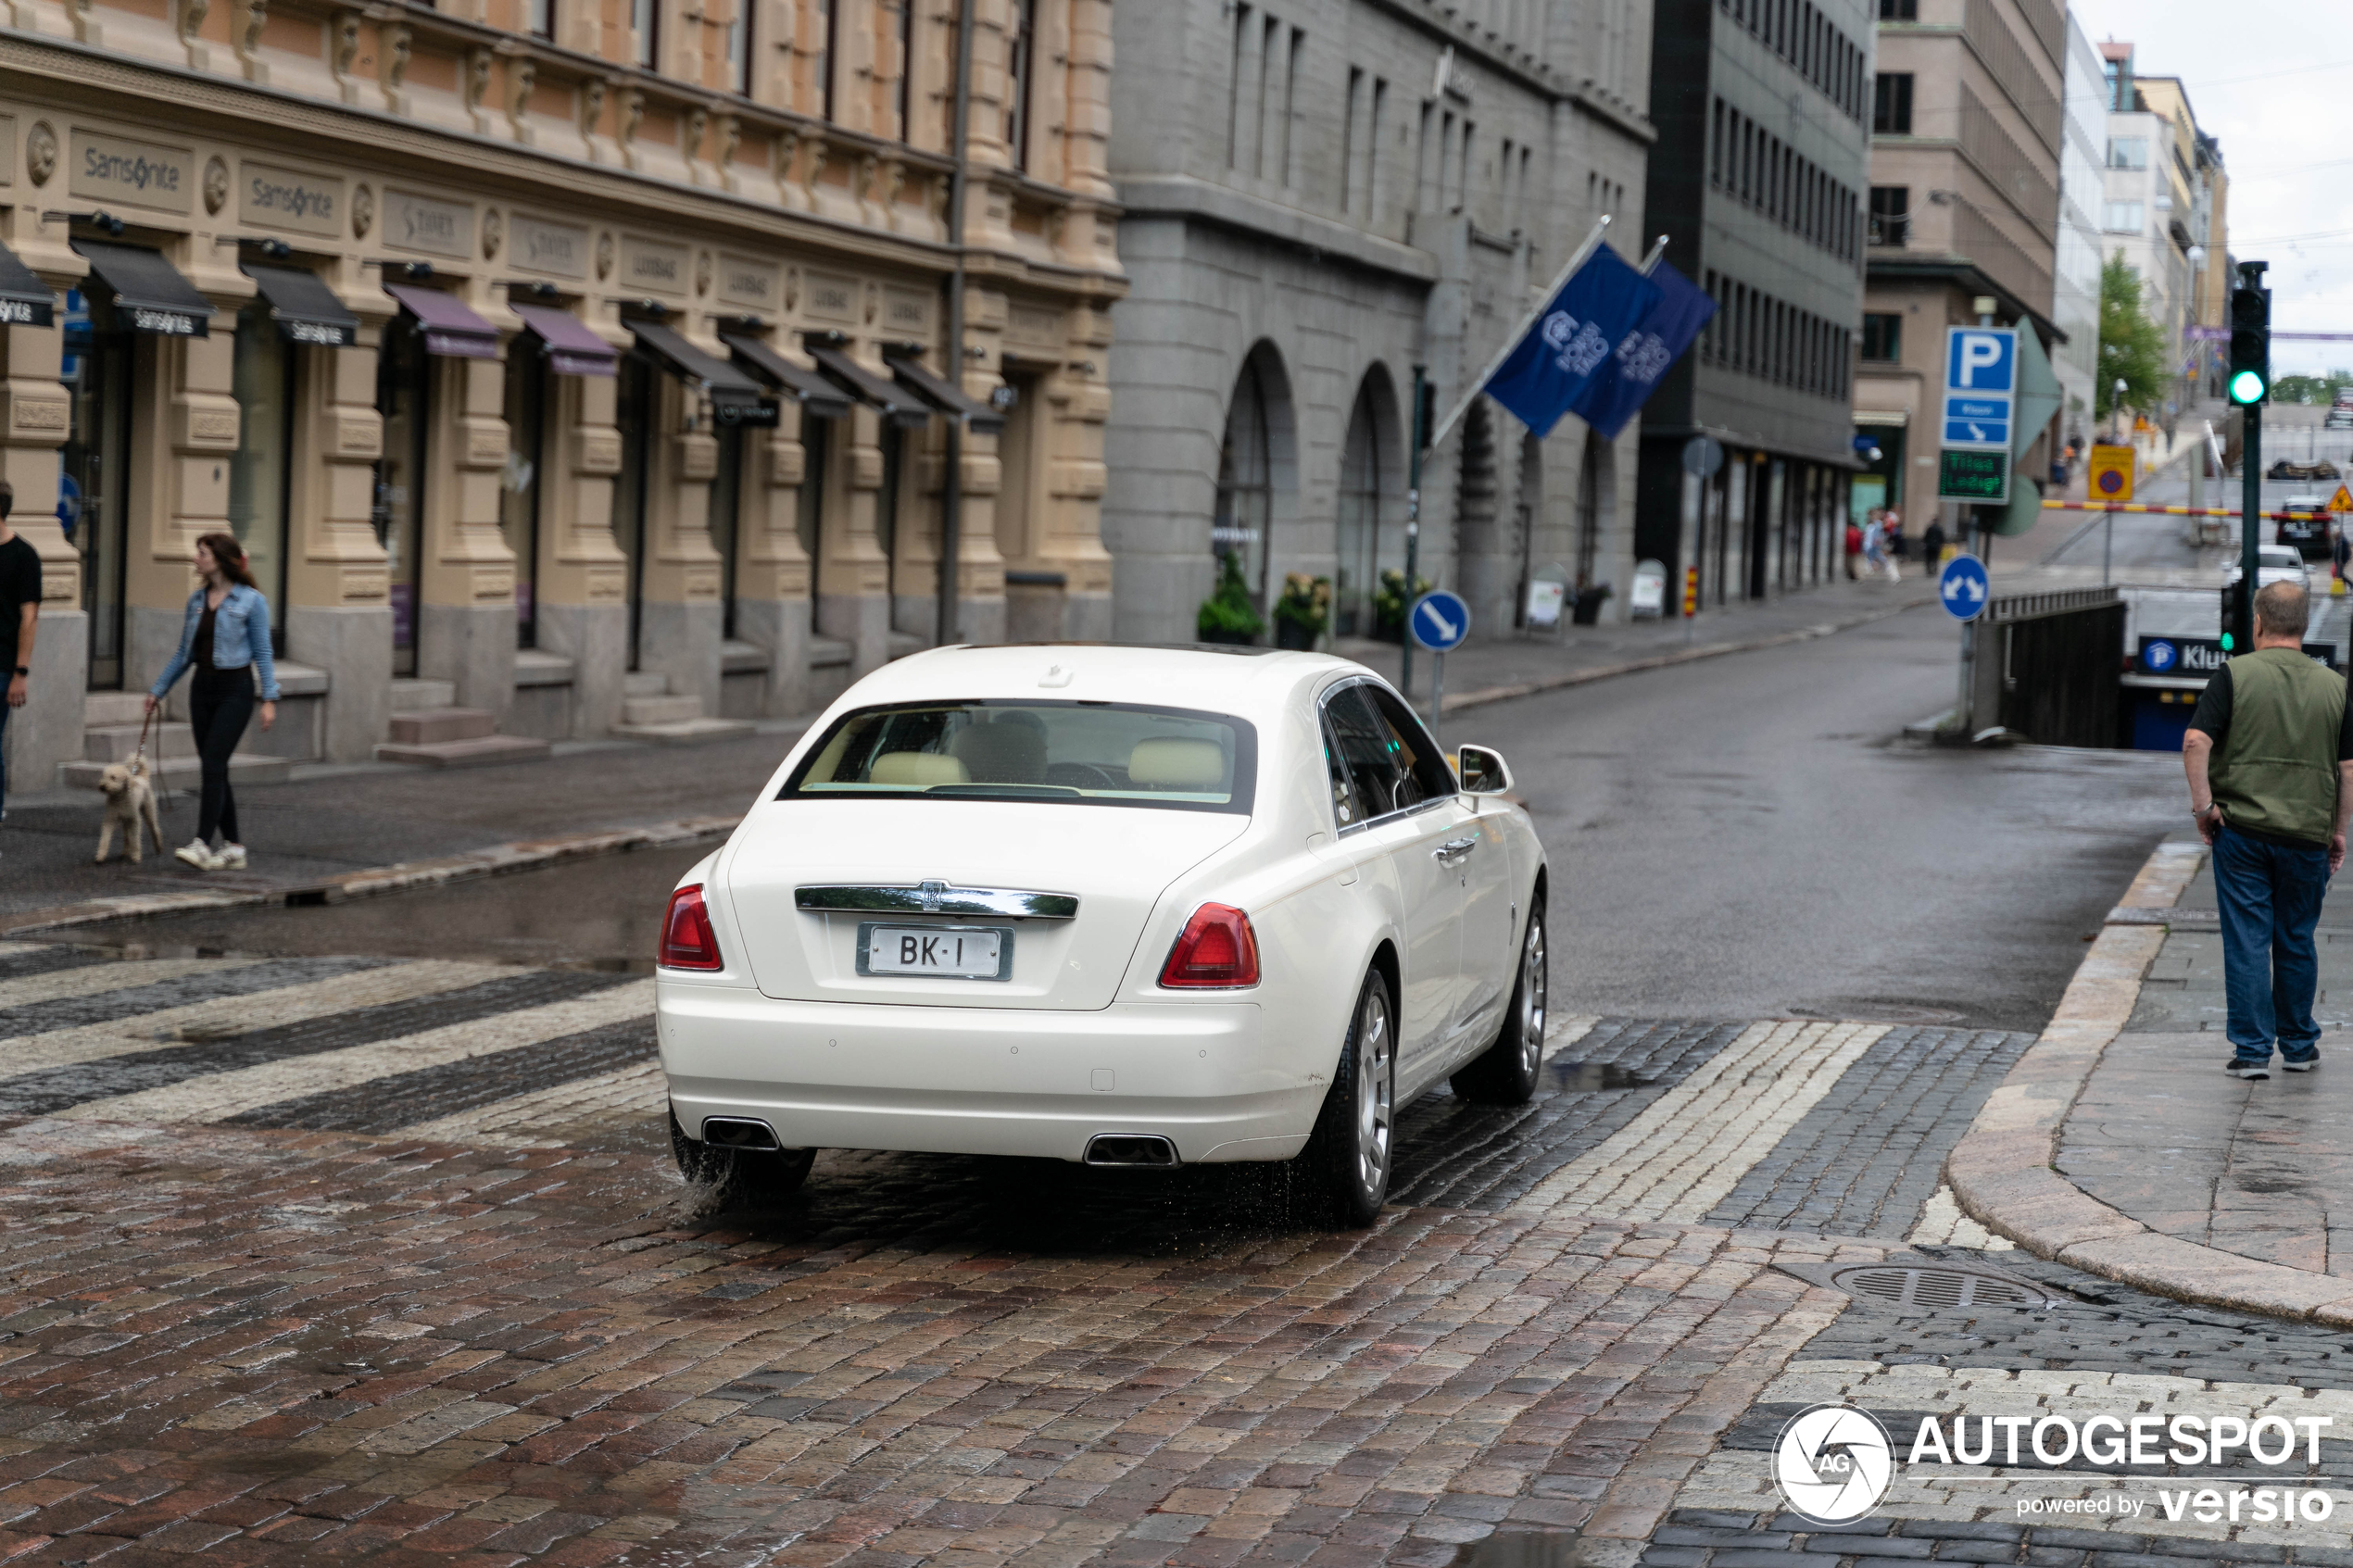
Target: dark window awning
(735,398)
(885,396)
(148,291)
(450,329)
(25,300)
(572,348)
(950,400)
(818,398)
(304,307)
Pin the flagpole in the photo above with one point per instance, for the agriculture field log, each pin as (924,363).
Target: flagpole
(1511,340)
(1651,259)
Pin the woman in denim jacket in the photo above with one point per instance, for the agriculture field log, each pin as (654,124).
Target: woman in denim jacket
(226,640)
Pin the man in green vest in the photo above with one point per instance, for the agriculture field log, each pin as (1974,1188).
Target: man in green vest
(2270,757)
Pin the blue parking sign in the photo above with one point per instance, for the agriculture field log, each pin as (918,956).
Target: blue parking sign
(1980,388)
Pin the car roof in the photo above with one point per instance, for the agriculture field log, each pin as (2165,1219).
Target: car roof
(1253,684)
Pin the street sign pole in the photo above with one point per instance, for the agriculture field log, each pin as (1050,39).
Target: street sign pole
(1438,698)
(2251,459)
(1438,621)
(1416,422)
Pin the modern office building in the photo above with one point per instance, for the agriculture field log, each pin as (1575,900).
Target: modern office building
(2075,274)
(579,363)
(1317,197)
(1758,183)
(1967,127)
(2164,200)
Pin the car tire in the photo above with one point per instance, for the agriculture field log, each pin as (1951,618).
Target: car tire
(1353,1148)
(743,1174)
(1505,1073)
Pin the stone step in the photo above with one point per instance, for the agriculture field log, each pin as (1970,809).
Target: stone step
(187,772)
(113,708)
(407,697)
(479,751)
(431,726)
(660,710)
(826,652)
(685,732)
(645,682)
(116,743)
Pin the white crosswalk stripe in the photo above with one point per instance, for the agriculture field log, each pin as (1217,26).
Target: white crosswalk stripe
(92,980)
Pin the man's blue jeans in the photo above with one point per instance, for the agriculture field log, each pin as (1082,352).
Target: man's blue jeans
(2271,897)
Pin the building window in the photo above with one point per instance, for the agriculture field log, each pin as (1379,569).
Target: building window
(1891,104)
(1350,110)
(543,18)
(829,36)
(906,24)
(1234,89)
(739,71)
(1882,337)
(1899,10)
(645,19)
(262,375)
(2122,218)
(1245,503)
(2128,152)
(1891,215)
(809,509)
(1018,46)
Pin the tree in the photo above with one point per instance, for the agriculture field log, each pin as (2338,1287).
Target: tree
(2310,388)
(2132,348)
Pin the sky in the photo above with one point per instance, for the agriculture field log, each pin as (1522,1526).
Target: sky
(2272,80)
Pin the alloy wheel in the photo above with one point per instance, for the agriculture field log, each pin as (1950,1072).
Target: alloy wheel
(1531,995)
(1374,1114)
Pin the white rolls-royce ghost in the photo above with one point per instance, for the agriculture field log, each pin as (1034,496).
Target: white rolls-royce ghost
(1124,906)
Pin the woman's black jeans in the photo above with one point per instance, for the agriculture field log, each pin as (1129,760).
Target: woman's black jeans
(220,706)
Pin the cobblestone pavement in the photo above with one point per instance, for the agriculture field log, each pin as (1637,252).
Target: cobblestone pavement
(325,1259)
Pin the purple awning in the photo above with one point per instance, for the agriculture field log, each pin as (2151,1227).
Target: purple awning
(572,348)
(449,328)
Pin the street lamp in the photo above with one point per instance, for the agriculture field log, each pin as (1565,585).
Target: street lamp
(2116,412)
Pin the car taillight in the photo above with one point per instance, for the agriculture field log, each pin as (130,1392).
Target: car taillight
(1217,949)
(686,938)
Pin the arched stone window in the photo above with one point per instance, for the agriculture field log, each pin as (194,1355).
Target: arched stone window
(1246,481)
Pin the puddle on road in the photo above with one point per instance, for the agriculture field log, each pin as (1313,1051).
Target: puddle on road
(1591,1077)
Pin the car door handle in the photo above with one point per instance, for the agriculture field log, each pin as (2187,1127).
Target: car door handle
(1453,849)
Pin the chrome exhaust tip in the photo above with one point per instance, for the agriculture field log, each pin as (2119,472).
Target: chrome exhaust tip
(1130,1148)
(736,1132)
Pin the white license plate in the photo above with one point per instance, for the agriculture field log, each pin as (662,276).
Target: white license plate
(944,952)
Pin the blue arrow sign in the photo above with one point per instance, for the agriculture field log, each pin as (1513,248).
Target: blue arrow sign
(1962,588)
(1992,435)
(1440,621)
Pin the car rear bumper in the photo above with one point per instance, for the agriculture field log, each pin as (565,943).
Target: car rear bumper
(985,1080)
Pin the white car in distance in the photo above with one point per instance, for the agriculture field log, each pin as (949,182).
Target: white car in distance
(1123,906)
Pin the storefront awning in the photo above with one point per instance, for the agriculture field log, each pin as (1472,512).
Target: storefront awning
(735,397)
(819,399)
(304,307)
(572,348)
(25,300)
(148,291)
(450,329)
(950,400)
(887,397)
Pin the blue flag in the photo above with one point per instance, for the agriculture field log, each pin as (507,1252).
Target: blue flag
(1552,369)
(1647,353)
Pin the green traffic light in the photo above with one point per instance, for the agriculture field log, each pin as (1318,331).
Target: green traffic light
(2226,642)
(2247,386)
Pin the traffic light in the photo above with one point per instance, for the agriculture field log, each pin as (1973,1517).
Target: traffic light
(2250,345)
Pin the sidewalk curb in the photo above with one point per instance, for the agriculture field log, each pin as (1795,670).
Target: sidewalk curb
(1480,697)
(2003,1175)
(520,855)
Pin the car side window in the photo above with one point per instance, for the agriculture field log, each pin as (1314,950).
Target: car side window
(1365,775)
(1424,773)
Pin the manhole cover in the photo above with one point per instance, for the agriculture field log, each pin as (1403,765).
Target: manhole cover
(1911,1283)
(1935,1288)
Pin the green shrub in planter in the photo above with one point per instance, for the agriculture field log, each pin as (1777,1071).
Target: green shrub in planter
(1390,601)
(1227,616)
(1302,612)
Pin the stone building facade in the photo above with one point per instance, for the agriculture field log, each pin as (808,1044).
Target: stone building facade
(578,362)
(1318,196)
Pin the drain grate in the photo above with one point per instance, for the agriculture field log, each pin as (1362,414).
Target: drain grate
(1936,1289)
(1911,1283)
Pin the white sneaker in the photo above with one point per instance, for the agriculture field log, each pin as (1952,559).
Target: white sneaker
(197,853)
(230,859)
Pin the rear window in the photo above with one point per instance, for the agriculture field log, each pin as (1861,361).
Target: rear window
(1090,753)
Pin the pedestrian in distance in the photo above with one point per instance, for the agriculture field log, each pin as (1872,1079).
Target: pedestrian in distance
(2269,754)
(1896,544)
(20,619)
(1932,546)
(1854,546)
(225,640)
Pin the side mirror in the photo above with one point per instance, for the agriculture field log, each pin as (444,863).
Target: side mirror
(1481,771)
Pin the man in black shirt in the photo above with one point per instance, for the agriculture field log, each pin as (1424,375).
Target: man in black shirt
(19,613)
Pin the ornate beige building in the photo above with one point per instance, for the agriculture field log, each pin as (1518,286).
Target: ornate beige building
(582,363)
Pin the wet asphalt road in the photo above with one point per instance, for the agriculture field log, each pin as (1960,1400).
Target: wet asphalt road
(1739,839)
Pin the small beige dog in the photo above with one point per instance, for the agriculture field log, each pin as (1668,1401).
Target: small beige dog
(131,802)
